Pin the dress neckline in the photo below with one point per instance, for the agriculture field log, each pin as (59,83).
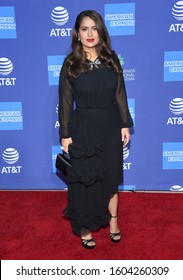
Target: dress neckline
(94,63)
(92,60)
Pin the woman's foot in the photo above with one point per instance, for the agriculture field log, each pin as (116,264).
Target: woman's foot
(88,241)
(115,234)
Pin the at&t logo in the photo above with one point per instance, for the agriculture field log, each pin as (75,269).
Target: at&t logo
(176,108)
(10,157)
(57,122)
(177,13)
(60,17)
(176,188)
(6,67)
(126,165)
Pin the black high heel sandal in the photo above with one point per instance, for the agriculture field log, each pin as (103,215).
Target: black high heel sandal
(86,245)
(113,235)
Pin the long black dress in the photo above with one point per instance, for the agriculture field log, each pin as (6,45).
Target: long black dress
(100,111)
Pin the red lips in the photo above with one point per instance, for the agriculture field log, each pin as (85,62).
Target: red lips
(90,40)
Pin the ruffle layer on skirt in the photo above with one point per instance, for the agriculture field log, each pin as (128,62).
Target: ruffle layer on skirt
(83,170)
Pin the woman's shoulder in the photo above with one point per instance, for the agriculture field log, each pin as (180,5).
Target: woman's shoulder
(116,61)
(66,64)
(114,55)
(67,58)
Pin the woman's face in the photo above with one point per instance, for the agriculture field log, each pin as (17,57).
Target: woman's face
(88,33)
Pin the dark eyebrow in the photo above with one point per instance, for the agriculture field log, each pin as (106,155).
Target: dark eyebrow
(87,26)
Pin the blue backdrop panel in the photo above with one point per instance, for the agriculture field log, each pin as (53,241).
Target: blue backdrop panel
(35,37)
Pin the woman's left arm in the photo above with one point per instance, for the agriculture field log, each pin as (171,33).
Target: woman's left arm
(122,104)
(125,135)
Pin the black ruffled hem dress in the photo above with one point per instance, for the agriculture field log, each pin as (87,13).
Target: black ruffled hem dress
(92,110)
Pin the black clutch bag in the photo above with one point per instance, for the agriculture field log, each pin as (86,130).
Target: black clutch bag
(63,163)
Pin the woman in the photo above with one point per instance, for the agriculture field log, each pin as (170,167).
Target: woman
(95,132)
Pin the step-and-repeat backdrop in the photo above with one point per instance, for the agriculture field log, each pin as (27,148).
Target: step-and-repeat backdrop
(35,36)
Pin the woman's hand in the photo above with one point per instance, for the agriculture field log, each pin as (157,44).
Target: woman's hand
(65,143)
(125,134)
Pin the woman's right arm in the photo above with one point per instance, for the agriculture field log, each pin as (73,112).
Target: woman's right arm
(65,143)
(65,108)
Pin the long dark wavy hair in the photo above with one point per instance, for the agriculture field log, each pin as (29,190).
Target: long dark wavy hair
(76,60)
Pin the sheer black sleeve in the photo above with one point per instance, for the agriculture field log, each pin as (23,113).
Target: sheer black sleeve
(122,104)
(65,103)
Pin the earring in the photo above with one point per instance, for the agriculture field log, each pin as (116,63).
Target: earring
(79,39)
